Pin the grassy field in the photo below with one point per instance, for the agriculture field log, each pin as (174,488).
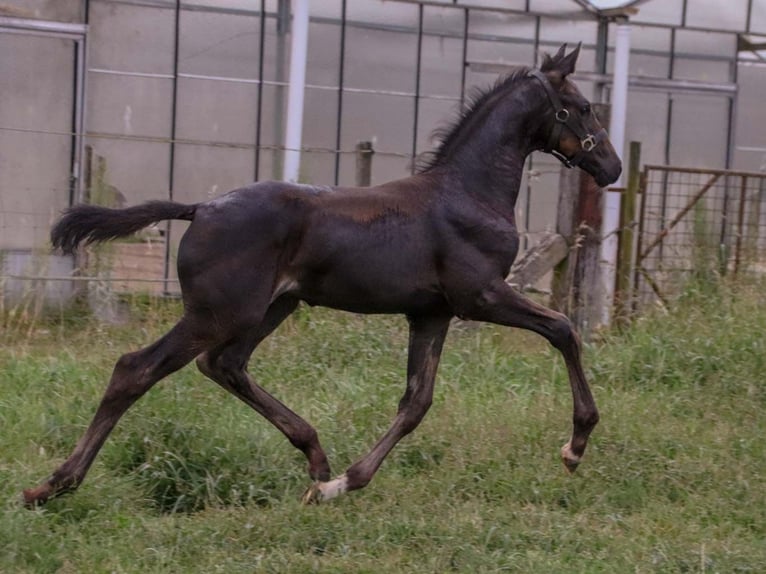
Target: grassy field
(193,481)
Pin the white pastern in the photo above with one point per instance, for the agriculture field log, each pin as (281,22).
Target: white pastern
(334,487)
(566,453)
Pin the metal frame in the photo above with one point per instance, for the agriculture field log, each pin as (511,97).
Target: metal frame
(78,33)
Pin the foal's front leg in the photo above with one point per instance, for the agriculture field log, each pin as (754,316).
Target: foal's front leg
(426,340)
(499,303)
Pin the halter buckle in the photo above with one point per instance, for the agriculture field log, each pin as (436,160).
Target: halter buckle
(588,142)
(562,115)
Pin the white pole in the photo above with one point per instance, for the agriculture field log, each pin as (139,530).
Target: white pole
(298,51)
(611,221)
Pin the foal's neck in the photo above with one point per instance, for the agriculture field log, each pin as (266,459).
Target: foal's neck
(494,177)
(490,164)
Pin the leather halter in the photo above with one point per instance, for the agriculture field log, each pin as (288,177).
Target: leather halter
(588,141)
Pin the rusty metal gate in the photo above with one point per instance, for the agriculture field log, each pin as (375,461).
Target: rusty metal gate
(697,224)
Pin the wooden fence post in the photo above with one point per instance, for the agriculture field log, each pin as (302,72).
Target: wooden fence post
(577,289)
(364,154)
(622,294)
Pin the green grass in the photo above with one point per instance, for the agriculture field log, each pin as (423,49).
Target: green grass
(193,481)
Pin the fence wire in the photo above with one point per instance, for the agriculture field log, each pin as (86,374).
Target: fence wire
(698,224)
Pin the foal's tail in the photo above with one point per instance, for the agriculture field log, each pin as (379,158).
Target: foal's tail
(93,224)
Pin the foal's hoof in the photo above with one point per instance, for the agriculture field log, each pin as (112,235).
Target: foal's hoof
(313,495)
(34,497)
(321,491)
(571,460)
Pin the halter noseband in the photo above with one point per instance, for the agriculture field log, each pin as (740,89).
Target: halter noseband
(588,141)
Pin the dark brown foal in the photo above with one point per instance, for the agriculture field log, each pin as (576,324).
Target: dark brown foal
(432,246)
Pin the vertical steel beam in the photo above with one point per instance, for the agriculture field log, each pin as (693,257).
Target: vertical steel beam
(283,28)
(464,65)
(297,90)
(259,108)
(617,121)
(172,151)
(418,63)
(341,69)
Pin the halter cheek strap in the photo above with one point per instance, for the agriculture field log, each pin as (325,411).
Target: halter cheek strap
(588,141)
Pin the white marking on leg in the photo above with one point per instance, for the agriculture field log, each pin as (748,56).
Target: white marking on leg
(334,487)
(567,454)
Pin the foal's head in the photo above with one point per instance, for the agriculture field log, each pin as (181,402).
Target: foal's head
(569,129)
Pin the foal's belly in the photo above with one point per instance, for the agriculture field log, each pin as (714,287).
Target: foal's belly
(365,282)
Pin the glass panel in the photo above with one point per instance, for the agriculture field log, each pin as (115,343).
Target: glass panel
(751,117)
(387,122)
(214,110)
(323,62)
(645,38)
(320,119)
(219,44)
(442,63)
(758,17)
(728,15)
(204,172)
(405,16)
(131,38)
(507,4)
(702,70)
(138,170)
(36,76)
(557,32)
(444,21)
(365,68)
(706,44)
(317,167)
(694,142)
(564,10)
(643,64)
(70,11)
(501,27)
(660,12)
(129,105)
(646,122)
(484,45)
(327,9)
(242,6)
(272,135)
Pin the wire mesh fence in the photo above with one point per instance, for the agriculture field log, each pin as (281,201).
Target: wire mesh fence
(698,224)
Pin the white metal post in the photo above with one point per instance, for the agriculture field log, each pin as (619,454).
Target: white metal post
(298,51)
(611,221)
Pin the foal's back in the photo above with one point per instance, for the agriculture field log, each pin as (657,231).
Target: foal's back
(367,250)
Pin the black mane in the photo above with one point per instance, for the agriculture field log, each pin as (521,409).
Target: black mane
(474,104)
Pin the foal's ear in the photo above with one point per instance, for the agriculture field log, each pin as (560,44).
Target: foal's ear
(560,66)
(549,63)
(567,64)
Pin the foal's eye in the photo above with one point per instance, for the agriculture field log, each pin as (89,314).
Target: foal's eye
(585,109)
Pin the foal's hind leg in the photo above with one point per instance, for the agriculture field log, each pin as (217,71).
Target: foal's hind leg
(134,374)
(425,346)
(501,304)
(227,366)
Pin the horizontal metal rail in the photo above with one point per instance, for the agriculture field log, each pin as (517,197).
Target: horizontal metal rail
(83,278)
(208,143)
(705,171)
(255,82)
(44,27)
(648,82)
